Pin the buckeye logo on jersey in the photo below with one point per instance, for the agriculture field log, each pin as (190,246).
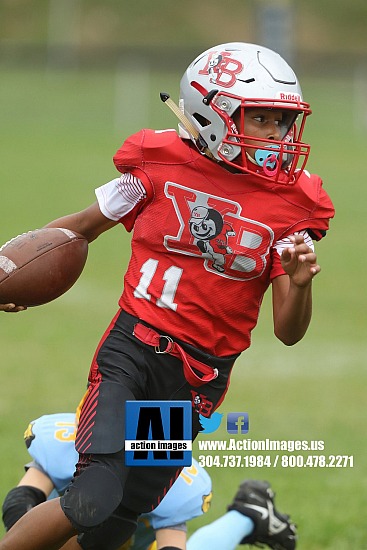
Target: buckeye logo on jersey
(212,227)
(222,69)
(211,233)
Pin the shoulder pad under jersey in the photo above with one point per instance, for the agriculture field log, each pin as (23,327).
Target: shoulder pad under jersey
(152,146)
(309,194)
(50,440)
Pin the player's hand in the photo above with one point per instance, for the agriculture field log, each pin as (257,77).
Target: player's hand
(300,262)
(11,308)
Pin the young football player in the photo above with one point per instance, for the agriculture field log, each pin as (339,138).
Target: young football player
(219,213)
(50,442)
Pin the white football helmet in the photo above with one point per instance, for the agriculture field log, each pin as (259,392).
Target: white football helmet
(235,77)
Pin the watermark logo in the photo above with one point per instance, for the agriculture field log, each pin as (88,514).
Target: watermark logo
(210,424)
(237,423)
(158,433)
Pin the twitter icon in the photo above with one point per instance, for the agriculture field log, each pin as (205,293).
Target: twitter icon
(211,424)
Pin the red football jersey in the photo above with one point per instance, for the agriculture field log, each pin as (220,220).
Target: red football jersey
(203,239)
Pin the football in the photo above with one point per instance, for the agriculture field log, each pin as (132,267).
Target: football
(41,265)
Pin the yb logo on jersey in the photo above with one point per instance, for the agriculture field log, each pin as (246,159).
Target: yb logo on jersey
(212,227)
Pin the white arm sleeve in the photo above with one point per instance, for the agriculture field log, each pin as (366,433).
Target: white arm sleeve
(120,195)
(286,242)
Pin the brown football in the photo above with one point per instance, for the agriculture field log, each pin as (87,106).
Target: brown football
(41,265)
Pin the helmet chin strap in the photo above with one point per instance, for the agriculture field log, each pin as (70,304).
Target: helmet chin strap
(188,126)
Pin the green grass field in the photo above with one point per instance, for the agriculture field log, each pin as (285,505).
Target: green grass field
(59,132)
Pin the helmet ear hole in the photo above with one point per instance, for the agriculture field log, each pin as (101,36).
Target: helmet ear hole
(201,120)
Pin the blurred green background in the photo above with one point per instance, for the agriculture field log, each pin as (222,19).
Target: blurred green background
(76,78)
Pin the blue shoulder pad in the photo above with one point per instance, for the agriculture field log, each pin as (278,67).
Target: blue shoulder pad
(50,440)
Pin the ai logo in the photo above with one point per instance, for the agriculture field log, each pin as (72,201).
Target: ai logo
(158,433)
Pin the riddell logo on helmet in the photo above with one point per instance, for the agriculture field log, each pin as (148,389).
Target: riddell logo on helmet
(289,97)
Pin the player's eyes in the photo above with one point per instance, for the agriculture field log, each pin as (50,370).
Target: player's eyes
(264,120)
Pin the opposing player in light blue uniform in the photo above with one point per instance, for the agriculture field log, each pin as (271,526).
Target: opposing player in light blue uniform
(50,442)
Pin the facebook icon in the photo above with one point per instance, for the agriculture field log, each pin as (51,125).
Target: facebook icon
(237,423)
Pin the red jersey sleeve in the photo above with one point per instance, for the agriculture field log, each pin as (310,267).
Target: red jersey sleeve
(309,194)
(276,265)
(138,155)
(128,160)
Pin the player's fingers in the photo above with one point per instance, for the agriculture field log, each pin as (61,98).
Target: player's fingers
(315,269)
(11,308)
(309,257)
(297,239)
(302,248)
(6,307)
(288,254)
